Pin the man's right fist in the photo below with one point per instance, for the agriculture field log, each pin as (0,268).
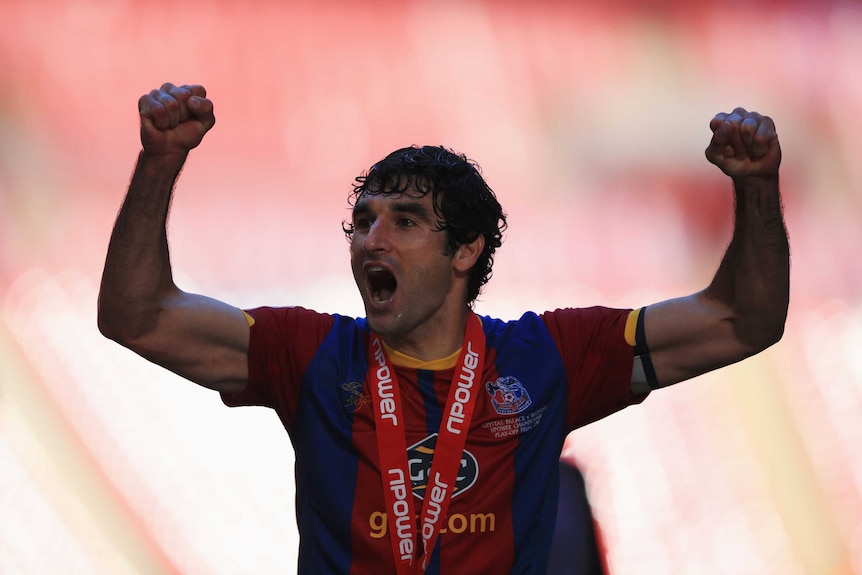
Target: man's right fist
(174,119)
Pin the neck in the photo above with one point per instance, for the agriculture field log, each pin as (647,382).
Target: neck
(430,343)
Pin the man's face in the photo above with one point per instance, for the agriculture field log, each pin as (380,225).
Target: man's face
(408,285)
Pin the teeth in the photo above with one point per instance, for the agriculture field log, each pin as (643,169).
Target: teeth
(381,283)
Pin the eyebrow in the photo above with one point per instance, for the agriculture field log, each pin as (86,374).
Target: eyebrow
(413,208)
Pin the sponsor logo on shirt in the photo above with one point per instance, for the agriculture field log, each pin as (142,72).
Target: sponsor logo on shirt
(508,395)
(454,523)
(419,458)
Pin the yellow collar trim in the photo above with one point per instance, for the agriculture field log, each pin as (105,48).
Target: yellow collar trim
(404,360)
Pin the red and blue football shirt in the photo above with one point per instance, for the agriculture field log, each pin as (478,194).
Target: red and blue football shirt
(544,375)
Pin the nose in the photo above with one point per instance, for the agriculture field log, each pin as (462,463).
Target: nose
(378,239)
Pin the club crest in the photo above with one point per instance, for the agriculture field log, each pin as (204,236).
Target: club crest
(508,395)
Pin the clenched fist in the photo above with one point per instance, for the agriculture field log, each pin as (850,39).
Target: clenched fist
(174,119)
(744,144)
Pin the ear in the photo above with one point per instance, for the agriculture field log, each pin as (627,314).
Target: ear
(467,254)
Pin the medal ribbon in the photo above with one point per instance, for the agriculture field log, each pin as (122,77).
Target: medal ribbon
(392,447)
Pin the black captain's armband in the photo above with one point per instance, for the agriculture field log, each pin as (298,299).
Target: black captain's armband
(643,373)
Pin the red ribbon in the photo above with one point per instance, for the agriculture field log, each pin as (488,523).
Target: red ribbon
(392,446)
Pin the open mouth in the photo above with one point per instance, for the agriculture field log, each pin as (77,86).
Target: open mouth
(381,284)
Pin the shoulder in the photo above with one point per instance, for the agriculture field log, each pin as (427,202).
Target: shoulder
(294,317)
(527,329)
(298,325)
(567,321)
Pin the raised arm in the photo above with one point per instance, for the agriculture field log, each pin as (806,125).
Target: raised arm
(743,310)
(140,307)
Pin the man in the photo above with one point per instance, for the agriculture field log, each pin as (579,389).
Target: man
(428,438)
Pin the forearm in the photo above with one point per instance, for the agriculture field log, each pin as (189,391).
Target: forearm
(137,273)
(743,310)
(753,280)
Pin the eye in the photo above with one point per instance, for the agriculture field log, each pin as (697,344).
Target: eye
(362,224)
(406,222)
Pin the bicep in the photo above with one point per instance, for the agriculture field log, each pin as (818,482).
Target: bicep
(201,339)
(692,335)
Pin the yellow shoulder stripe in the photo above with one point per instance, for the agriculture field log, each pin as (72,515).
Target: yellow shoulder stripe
(631,326)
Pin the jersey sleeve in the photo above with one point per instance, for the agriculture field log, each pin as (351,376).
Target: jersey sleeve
(282,343)
(598,361)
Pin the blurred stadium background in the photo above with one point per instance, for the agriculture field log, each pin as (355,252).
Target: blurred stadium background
(590,124)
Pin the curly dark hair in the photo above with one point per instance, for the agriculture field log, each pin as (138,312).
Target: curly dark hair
(465,205)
